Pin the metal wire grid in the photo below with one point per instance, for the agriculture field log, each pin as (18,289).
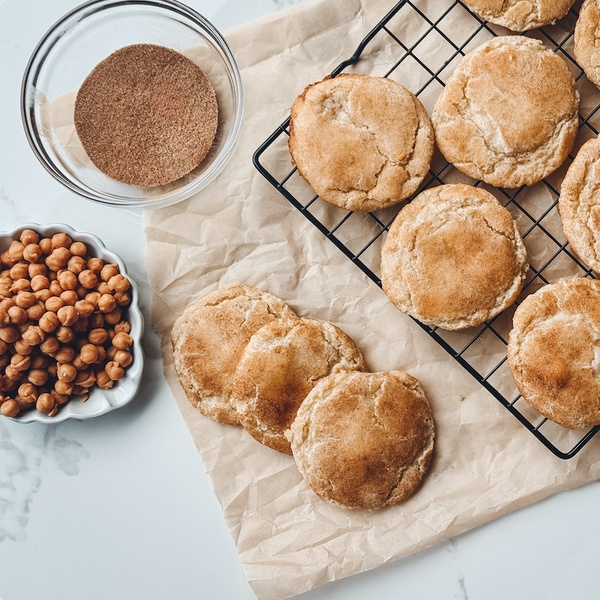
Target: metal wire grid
(418,44)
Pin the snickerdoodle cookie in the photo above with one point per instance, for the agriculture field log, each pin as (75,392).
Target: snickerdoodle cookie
(209,339)
(362,143)
(453,257)
(509,112)
(282,362)
(579,204)
(520,15)
(554,351)
(364,440)
(587,40)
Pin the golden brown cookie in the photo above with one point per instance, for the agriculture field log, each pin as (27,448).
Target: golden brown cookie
(453,257)
(520,15)
(361,142)
(364,440)
(209,339)
(509,112)
(554,351)
(579,204)
(587,40)
(280,365)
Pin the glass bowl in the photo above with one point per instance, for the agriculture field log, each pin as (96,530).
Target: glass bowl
(75,45)
(100,401)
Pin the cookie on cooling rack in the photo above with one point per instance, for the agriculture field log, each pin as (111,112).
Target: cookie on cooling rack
(586,46)
(364,440)
(520,15)
(453,257)
(579,204)
(280,365)
(509,112)
(553,351)
(362,143)
(209,339)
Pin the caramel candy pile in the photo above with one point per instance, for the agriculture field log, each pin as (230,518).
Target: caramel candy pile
(62,329)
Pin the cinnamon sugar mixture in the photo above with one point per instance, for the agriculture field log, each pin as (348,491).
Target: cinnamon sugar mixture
(146,115)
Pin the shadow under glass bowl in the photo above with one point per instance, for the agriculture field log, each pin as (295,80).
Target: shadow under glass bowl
(75,45)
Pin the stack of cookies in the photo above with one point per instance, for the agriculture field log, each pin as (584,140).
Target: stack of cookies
(300,386)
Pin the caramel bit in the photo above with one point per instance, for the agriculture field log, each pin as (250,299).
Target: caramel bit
(146,115)
(62,327)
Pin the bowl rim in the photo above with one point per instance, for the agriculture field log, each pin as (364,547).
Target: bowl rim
(136,369)
(40,55)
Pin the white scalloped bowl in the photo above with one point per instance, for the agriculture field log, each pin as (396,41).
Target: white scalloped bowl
(100,401)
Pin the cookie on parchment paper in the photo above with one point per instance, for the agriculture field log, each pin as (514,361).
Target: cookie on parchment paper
(209,339)
(280,365)
(553,351)
(362,143)
(453,257)
(520,15)
(509,112)
(364,440)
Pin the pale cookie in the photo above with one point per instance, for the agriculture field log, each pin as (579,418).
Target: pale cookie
(579,204)
(209,339)
(280,365)
(587,40)
(364,440)
(362,143)
(453,257)
(554,352)
(509,113)
(520,15)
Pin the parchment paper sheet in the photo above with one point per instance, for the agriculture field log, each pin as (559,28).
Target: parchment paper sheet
(240,229)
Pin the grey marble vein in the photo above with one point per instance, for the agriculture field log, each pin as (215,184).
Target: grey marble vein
(284,3)
(462,586)
(23,454)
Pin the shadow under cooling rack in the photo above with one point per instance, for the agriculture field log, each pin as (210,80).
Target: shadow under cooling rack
(423,42)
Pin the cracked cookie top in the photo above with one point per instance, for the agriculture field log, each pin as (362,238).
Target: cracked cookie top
(453,257)
(364,440)
(520,15)
(280,365)
(554,351)
(209,338)
(362,143)
(509,112)
(587,40)
(579,204)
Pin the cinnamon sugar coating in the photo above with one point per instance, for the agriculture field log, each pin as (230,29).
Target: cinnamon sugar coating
(364,440)
(553,351)
(509,112)
(146,115)
(362,143)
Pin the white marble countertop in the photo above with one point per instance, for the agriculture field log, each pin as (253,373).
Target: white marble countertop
(120,507)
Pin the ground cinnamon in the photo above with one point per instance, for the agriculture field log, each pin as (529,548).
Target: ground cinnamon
(146,115)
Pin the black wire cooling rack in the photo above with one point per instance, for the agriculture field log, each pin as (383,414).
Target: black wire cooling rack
(418,44)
